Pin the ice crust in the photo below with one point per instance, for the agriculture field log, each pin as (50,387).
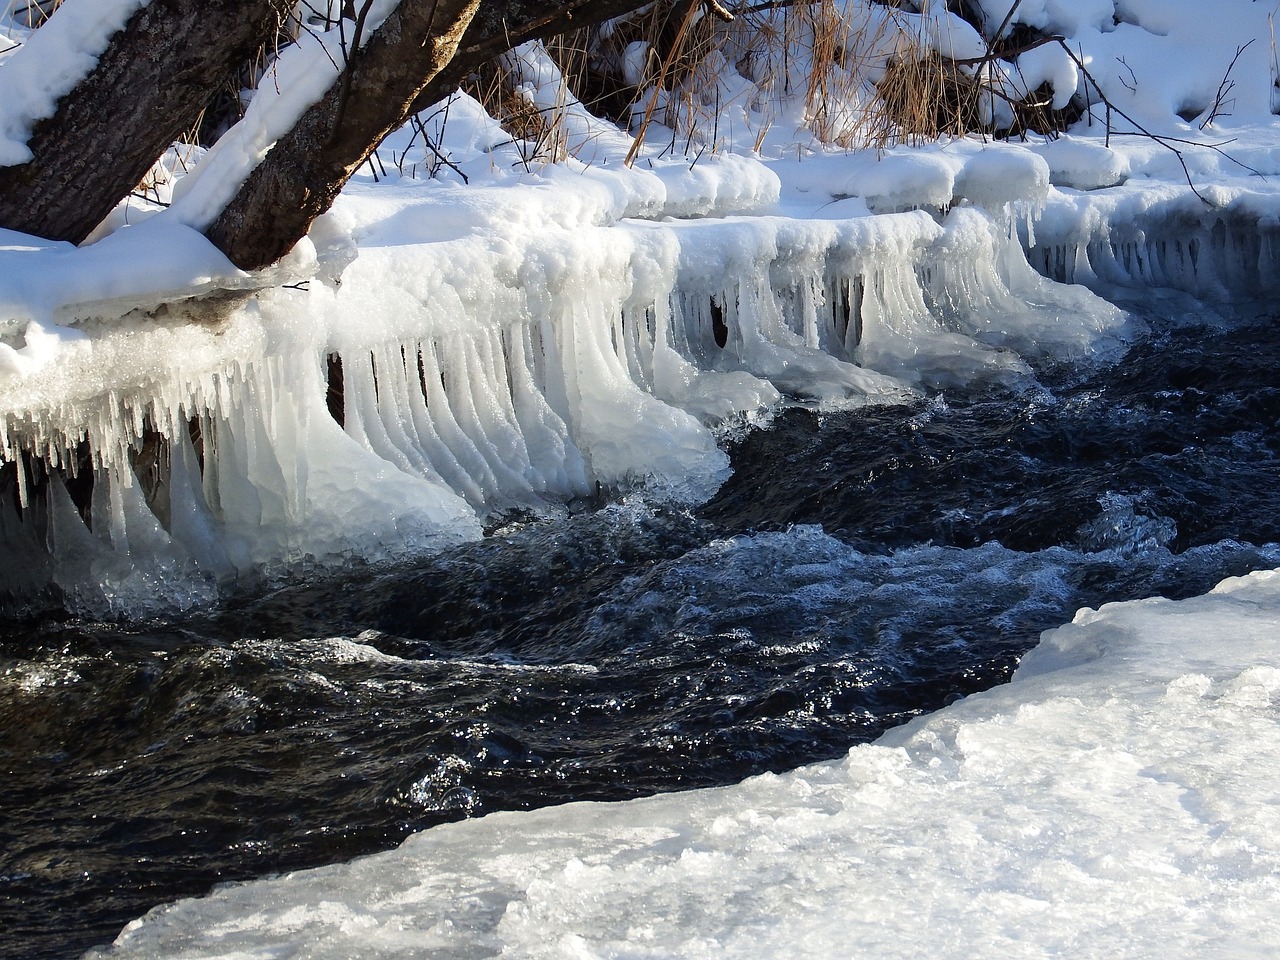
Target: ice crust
(510,345)
(1223,244)
(1116,799)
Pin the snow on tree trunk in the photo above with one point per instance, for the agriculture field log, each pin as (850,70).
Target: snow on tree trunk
(146,89)
(302,174)
(393,75)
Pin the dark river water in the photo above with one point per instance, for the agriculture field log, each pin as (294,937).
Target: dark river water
(858,569)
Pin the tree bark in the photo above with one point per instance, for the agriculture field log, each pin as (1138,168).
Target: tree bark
(146,90)
(395,74)
(302,174)
(503,24)
(162,68)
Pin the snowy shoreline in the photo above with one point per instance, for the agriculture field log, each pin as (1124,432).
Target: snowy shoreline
(550,337)
(1116,798)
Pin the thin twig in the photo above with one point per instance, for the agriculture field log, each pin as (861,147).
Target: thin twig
(446,161)
(719,11)
(1139,130)
(141,195)
(1008,17)
(1225,87)
(420,127)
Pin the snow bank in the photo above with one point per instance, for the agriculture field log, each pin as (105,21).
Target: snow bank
(1174,59)
(1116,799)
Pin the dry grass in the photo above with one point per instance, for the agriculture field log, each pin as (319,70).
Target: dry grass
(923,98)
(810,50)
(833,82)
(863,77)
(539,131)
(31,13)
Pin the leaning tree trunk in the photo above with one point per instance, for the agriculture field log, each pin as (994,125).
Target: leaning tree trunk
(147,88)
(303,172)
(418,56)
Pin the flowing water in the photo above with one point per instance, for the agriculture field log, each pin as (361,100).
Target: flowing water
(860,568)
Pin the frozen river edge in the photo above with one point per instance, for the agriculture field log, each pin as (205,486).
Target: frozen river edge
(1117,798)
(1114,799)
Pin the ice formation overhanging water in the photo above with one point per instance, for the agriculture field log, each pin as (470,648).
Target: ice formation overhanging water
(1117,798)
(551,331)
(487,350)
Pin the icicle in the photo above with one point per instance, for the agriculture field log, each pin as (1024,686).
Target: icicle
(443,461)
(24,495)
(191,522)
(461,446)
(489,421)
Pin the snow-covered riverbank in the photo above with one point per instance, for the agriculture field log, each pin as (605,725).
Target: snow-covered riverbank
(1118,798)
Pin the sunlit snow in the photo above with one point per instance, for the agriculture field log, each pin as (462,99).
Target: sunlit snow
(48,63)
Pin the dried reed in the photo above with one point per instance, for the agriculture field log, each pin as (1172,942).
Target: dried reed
(30,13)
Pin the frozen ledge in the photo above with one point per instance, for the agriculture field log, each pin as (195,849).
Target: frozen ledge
(1223,244)
(452,376)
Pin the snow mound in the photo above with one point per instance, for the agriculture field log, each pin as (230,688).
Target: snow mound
(1083,164)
